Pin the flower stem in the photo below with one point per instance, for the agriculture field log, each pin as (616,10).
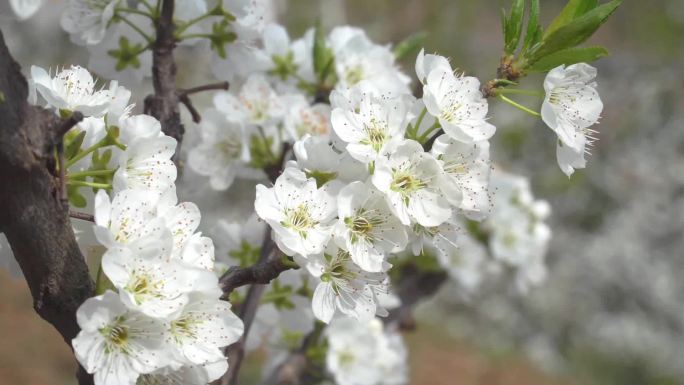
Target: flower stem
(519,106)
(147,37)
(91,173)
(414,132)
(196,20)
(80,183)
(429,131)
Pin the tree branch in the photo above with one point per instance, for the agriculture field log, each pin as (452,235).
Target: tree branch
(261,273)
(236,351)
(163,104)
(207,87)
(33,217)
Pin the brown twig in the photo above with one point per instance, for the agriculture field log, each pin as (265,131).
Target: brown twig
(82,216)
(261,273)
(196,117)
(206,87)
(236,351)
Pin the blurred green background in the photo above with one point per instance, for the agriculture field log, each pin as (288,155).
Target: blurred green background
(612,309)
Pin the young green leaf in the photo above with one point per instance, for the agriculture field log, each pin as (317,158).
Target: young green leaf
(571,11)
(574,33)
(534,31)
(514,27)
(568,56)
(73,145)
(504,26)
(409,46)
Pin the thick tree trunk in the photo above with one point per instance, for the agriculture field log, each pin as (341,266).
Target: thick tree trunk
(33,216)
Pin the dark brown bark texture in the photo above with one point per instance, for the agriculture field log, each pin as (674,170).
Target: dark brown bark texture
(163,104)
(34,217)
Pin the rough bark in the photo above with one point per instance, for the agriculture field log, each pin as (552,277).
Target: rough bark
(34,218)
(163,104)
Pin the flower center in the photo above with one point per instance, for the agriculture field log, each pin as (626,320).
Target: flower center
(449,112)
(116,336)
(376,135)
(229,148)
(362,224)
(354,75)
(184,328)
(406,184)
(299,220)
(143,287)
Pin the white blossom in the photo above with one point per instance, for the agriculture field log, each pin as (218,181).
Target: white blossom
(116,344)
(367,228)
(202,328)
(126,219)
(302,118)
(344,286)
(300,214)
(150,281)
(146,164)
(374,129)
(223,151)
(466,170)
(362,353)
(456,101)
(357,59)
(570,107)
(71,89)
(256,103)
(410,178)
(426,63)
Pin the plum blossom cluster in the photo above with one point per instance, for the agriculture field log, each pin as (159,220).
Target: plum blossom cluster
(375,186)
(378,177)
(158,316)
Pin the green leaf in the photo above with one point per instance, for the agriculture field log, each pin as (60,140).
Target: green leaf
(409,46)
(567,57)
(574,33)
(534,30)
(504,26)
(572,10)
(322,54)
(73,144)
(514,25)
